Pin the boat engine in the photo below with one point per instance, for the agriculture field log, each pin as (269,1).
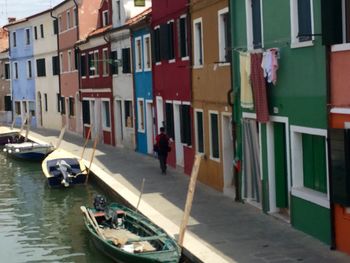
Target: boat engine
(100,203)
(65,169)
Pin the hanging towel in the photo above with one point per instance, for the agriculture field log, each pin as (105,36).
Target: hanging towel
(246,89)
(269,64)
(259,89)
(274,61)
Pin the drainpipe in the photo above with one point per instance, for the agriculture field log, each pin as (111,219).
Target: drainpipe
(134,89)
(235,104)
(58,57)
(331,202)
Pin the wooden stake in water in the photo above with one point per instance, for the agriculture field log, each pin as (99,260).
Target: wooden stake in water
(141,193)
(86,142)
(61,136)
(189,199)
(92,158)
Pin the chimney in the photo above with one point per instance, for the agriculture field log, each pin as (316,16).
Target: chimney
(11,19)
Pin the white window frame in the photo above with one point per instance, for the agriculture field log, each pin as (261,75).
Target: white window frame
(141,116)
(221,36)
(195,46)
(196,129)
(104,19)
(147,53)
(29,69)
(68,19)
(138,55)
(295,43)
(186,40)
(105,65)
(210,138)
(15,69)
(104,127)
(75,17)
(96,63)
(298,189)
(249,22)
(27,37)
(69,60)
(60,26)
(61,62)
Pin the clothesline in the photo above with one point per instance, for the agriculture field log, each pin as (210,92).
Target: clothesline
(279,44)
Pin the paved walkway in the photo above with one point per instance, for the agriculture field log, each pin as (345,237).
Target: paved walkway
(220,229)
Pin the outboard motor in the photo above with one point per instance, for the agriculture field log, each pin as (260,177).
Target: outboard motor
(100,203)
(65,169)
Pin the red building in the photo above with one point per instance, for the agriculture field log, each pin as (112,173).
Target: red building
(172,77)
(96,71)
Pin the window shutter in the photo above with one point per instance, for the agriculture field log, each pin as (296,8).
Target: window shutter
(171,53)
(200,130)
(228,51)
(35,32)
(40,65)
(126,60)
(183,37)
(169,114)
(185,124)
(214,135)
(7,71)
(164,42)
(114,65)
(304,20)
(86,112)
(76,58)
(90,64)
(256,14)
(63,105)
(55,65)
(331,11)
(83,65)
(55,26)
(8,103)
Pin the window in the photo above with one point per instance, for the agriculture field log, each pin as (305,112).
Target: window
(106,119)
(55,26)
(58,96)
(71,106)
(185,120)
(55,65)
(126,60)
(60,25)
(301,22)
(83,65)
(114,64)
(140,115)
(61,62)
(96,62)
(214,135)
(42,30)
(254,28)
(169,119)
(27,36)
(8,103)
(68,19)
(147,52)
(91,65)
(76,58)
(138,54)
(86,112)
(75,16)
(224,36)
(105,59)
(198,42)
(128,114)
(69,60)
(40,67)
(7,71)
(119,17)
(35,33)
(29,69)
(15,69)
(105,21)
(171,50)
(18,107)
(156,42)
(45,101)
(31,105)
(199,132)
(14,39)
(183,46)
(63,106)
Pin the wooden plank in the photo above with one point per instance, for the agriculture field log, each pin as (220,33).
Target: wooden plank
(60,137)
(92,158)
(86,142)
(189,199)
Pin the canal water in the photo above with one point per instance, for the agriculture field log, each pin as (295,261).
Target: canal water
(40,224)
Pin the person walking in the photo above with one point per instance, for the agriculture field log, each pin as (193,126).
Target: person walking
(162,148)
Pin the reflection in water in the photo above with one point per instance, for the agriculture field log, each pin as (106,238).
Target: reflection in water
(40,224)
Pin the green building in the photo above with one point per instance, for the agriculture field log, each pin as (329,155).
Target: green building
(284,159)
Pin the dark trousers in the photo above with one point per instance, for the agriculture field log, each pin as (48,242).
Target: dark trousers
(162,160)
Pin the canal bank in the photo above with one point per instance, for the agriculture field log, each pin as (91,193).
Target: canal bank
(220,230)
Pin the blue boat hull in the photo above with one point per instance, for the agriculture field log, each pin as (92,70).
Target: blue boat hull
(32,156)
(56,181)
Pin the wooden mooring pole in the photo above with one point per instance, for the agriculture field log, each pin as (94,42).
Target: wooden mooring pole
(86,142)
(189,199)
(92,158)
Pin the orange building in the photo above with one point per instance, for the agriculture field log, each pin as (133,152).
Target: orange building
(211,82)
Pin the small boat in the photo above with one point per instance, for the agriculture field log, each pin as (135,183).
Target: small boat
(28,150)
(10,137)
(63,169)
(127,236)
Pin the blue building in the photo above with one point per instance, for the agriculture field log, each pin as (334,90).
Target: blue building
(22,70)
(143,92)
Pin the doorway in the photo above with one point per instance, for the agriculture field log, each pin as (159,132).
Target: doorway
(177,134)
(118,122)
(160,113)
(227,152)
(149,127)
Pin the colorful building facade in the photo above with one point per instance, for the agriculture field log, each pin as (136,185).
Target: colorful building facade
(5,79)
(211,81)
(172,78)
(282,141)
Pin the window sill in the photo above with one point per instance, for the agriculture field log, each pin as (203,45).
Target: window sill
(171,61)
(312,196)
(138,71)
(214,159)
(141,131)
(185,58)
(302,44)
(105,75)
(147,70)
(106,129)
(224,64)
(158,63)
(340,47)
(197,66)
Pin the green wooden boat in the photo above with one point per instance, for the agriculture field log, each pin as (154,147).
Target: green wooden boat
(129,237)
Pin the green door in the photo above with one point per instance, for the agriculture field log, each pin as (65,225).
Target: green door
(281,165)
